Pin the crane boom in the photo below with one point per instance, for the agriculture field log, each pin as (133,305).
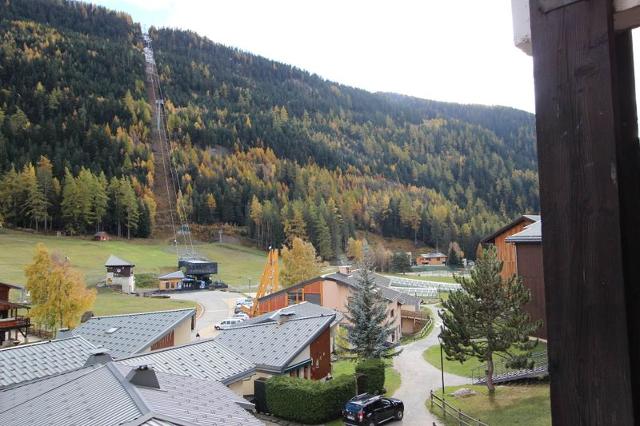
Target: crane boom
(268,281)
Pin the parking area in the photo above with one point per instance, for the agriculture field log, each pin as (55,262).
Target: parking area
(217,305)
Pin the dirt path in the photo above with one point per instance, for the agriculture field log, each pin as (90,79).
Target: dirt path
(419,377)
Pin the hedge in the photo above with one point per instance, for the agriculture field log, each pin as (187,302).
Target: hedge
(308,401)
(372,379)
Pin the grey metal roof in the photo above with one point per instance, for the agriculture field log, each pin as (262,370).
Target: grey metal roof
(300,310)
(273,345)
(530,234)
(203,359)
(383,284)
(102,395)
(116,261)
(172,276)
(35,360)
(129,334)
(525,217)
(433,254)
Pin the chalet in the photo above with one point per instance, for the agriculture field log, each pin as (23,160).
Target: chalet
(528,248)
(333,290)
(10,318)
(507,252)
(171,281)
(120,273)
(131,334)
(433,258)
(106,393)
(298,347)
(36,360)
(101,236)
(206,359)
(519,246)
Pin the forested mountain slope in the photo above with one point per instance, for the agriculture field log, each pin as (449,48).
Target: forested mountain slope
(256,142)
(314,152)
(72,103)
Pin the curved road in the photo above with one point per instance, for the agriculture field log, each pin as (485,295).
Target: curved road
(217,305)
(418,377)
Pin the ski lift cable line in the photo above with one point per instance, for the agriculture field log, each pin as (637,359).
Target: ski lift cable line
(185,230)
(165,146)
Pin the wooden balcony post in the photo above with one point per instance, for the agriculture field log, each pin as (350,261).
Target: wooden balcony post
(590,202)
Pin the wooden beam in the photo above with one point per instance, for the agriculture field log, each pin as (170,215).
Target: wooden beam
(628,168)
(577,122)
(626,16)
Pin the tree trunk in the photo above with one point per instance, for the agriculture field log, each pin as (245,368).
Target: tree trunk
(490,384)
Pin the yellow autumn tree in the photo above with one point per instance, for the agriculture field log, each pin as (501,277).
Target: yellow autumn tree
(58,292)
(299,263)
(355,250)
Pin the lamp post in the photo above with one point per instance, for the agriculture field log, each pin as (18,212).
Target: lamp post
(441,361)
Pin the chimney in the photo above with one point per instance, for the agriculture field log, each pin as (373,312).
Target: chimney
(344,269)
(284,317)
(98,356)
(143,375)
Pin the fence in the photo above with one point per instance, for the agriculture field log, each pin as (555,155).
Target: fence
(453,413)
(502,373)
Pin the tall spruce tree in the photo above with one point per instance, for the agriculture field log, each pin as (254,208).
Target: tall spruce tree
(369,326)
(486,319)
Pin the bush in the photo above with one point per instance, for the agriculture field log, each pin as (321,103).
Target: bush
(372,380)
(308,401)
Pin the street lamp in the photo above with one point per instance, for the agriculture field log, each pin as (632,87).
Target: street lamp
(441,361)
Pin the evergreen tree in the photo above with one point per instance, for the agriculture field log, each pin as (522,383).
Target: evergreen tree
(487,319)
(323,238)
(453,259)
(368,327)
(44,173)
(400,262)
(70,205)
(35,205)
(100,200)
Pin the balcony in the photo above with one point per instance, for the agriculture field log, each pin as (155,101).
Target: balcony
(14,323)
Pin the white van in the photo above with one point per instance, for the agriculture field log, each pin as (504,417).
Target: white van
(228,323)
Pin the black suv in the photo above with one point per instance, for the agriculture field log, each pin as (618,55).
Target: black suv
(371,410)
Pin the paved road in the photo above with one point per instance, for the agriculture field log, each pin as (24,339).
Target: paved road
(217,305)
(419,377)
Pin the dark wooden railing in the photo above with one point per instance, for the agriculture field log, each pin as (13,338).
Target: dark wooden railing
(14,323)
(452,413)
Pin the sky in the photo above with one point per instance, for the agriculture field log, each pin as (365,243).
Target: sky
(455,50)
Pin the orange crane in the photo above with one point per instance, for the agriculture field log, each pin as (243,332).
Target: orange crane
(268,281)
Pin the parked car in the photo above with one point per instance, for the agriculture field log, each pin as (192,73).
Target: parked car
(218,285)
(241,315)
(228,323)
(371,410)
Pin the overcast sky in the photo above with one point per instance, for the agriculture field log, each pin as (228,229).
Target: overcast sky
(453,50)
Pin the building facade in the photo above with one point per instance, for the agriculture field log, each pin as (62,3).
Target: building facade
(120,273)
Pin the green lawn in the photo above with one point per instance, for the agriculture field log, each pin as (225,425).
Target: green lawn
(432,356)
(391,376)
(237,265)
(109,302)
(511,405)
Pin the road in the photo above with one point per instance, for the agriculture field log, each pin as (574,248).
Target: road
(418,377)
(217,305)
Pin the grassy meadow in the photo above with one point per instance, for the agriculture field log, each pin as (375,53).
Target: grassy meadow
(237,265)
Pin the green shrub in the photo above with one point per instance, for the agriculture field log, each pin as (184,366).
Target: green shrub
(308,401)
(372,379)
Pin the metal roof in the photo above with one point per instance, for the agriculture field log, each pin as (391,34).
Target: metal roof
(530,234)
(382,283)
(528,217)
(116,261)
(203,359)
(36,360)
(273,345)
(433,254)
(300,310)
(130,334)
(172,276)
(102,395)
